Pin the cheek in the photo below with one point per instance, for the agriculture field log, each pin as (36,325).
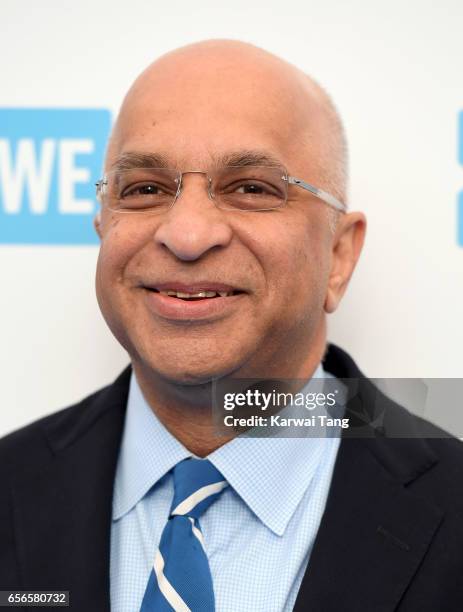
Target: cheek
(296,251)
(122,239)
(300,281)
(119,246)
(295,258)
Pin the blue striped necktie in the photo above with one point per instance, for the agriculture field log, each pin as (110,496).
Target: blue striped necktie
(181,579)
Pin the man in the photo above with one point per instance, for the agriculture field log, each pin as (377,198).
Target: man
(224,243)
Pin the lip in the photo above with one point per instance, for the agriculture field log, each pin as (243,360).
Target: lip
(176,309)
(192,287)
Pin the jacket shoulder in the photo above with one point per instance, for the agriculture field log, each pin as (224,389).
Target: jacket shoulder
(34,442)
(30,441)
(420,454)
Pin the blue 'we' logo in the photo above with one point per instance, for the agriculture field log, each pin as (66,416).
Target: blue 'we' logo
(50,160)
(460,195)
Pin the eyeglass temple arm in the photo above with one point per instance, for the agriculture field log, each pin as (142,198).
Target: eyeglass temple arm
(323,195)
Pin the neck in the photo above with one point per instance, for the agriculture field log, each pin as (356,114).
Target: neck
(186,410)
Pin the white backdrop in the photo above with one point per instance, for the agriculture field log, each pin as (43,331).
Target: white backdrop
(394,70)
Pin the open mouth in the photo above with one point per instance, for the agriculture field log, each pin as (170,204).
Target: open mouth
(199,295)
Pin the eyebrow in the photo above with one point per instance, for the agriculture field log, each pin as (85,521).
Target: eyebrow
(243,158)
(249,157)
(132,159)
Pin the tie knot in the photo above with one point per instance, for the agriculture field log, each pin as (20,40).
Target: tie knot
(197,484)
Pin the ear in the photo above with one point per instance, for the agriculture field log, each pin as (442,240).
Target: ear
(347,245)
(97,223)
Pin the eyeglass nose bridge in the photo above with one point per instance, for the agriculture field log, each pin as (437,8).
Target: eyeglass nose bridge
(210,193)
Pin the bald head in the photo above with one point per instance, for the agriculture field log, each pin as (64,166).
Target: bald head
(212,85)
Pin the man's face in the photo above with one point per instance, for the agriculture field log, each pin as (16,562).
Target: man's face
(277,261)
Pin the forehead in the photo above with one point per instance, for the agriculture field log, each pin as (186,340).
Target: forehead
(196,114)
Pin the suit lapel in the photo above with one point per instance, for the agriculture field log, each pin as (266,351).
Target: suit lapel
(374,532)
(372,537)
(62,505)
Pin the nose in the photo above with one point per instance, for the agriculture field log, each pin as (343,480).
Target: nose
(194,225)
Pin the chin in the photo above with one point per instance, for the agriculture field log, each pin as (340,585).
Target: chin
(191,372)
(192,361)
(192,376)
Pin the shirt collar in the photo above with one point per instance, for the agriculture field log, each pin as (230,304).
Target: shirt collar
(148,451)
(271,475)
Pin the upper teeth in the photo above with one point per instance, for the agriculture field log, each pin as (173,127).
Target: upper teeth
(200,294)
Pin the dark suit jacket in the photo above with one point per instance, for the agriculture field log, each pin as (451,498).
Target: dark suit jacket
(391,536)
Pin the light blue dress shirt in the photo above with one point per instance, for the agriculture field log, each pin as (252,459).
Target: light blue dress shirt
(258,535)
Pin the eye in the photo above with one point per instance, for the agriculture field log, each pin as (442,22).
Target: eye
(251,188)
(147,189)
